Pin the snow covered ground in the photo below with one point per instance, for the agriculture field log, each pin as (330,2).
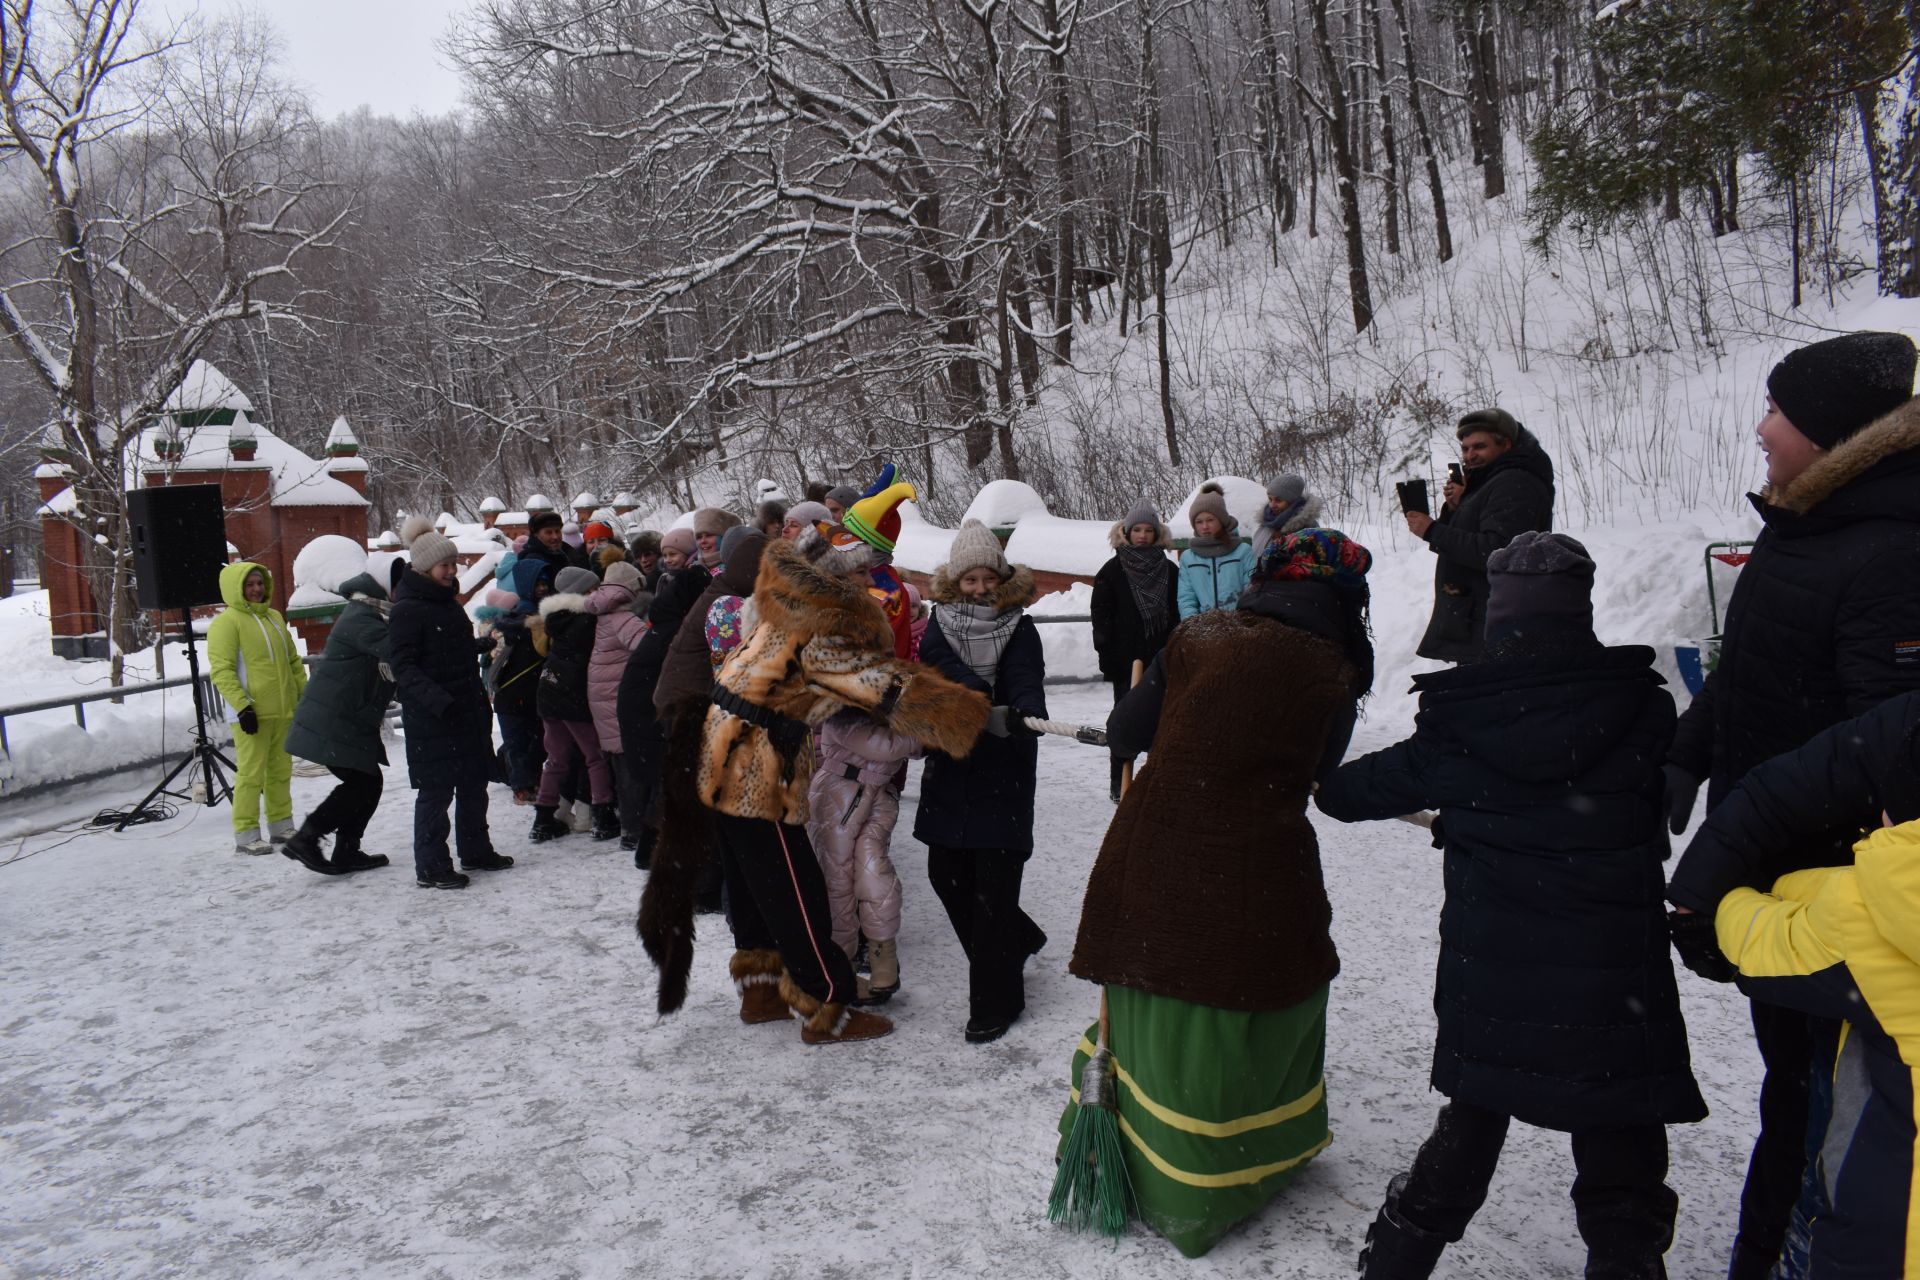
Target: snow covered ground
(216,1065)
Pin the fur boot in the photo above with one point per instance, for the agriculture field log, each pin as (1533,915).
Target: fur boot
(830,1023)
(756,976)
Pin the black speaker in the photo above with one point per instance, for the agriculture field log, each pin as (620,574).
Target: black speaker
(179,545)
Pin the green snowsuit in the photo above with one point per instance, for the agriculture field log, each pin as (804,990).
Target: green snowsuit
(254,664)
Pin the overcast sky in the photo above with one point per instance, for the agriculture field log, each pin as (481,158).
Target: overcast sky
(382,53)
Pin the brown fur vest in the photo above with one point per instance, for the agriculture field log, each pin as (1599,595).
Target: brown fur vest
(1208,887)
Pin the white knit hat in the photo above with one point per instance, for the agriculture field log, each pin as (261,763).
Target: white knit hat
(426,546)
(975,547)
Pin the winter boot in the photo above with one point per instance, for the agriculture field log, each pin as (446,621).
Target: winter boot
(831,1023)
(251,842)
(448,879)
(580,815)
(1395,1249)
(606,822)
(546,826)
(353,858)
(278,833)
(756,976)
(1116,768)
(488,861)
(304,848)
(885,956)
(985,1030)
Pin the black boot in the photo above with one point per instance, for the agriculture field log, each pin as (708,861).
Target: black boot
(488,861)
(606,822)
(353,858)
(546,826)
(1396,1249)
(1117,767)
(303,846)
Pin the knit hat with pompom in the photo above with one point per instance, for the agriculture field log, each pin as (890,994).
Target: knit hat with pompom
(426,546)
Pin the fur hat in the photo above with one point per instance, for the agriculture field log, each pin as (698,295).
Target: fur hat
(770,513)
(548,519)
(574,580)
(622,574)
(1212,499)
(1831,389)
(426,546)
(1539,581)
(681,540)
(975,547)
(596,529)
(1290,489)
(713,520)
(646,542)
(612,553)
(1497,423)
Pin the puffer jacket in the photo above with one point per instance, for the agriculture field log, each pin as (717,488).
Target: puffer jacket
(1844,943)
(616,634)
(854,809)
(338,720)
(642,738)
(250,653)
(1824,623)
(1214,582)
(567,630)
(443,705)
(1120,635)
(1510,495)
(822,644)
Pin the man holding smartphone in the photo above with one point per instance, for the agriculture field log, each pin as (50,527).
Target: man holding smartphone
(1503,486)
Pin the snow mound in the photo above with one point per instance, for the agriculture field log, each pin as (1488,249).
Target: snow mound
(1005,502)
(323,565)
(1246,502)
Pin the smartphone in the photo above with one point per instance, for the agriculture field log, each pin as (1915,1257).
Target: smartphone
(1413,495)
(1456,474)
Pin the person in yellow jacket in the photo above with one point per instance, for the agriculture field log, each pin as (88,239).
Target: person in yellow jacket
(1844,942)
(258,671)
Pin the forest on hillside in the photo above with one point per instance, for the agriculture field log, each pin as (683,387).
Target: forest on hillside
(678,245)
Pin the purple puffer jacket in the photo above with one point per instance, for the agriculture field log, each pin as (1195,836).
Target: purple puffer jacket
(854,806)
(616,635)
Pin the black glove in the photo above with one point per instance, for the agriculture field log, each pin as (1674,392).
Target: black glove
(249,720)
(1694,938)
(1681,789)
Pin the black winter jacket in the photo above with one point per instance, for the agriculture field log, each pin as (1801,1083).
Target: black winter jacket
(1120,635)
(443,705)
(1510,495)
(641,732)
(563,681)
(986,800)
(1824,623)
(338,720)
(1555,995)
(1783,816)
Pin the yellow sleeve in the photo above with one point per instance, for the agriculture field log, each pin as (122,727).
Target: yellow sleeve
(223,667)
(1781,934)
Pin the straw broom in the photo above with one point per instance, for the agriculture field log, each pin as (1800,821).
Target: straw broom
(1090,1186)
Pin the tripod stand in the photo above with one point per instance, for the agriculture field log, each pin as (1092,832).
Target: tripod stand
(202,754)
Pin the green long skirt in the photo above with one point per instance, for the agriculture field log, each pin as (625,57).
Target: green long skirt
(1219,1110)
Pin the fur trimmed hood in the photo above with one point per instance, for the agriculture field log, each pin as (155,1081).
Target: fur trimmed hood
(1307,517)
(1016,592)
(1895,433)
(563,602)
(1117,536)
(795,591)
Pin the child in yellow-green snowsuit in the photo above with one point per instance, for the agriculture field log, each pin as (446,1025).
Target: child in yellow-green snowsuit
(259,673)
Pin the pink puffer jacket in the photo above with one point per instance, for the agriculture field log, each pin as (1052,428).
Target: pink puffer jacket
(854,806)
(615,635)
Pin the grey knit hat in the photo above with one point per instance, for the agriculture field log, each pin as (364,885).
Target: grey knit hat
(680,540)
(575,581)
(1290,489)
(426,546)
(1539,581)
(1140,513)
(844,494)
(1212,498)
(622,574)
(809,512)
(975,547)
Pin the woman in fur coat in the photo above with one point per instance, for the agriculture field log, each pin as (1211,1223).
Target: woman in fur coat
(738,777)
(976,814)
(1134,603)
(1212,947)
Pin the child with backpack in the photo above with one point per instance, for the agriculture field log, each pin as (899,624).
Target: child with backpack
(976,813)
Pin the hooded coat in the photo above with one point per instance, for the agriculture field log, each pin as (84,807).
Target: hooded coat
(1510,495)
(443,705)
(616,634)
(1181,902)
(338,721)
(1120,635)
(1824,622)
(1555,995)
(250,653)
(569,630)
(986,800)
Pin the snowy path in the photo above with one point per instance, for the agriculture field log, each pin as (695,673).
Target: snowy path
(216,1065)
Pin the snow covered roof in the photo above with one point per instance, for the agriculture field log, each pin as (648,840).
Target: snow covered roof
(491,506)
(205,387)
(539,502)
(298,481)
(585,498)
(341,433)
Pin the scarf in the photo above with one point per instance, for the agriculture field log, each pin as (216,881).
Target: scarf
(1212,548)
(979,635)
(1147,576)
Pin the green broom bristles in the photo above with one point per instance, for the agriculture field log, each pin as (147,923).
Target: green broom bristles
(1090,1187)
